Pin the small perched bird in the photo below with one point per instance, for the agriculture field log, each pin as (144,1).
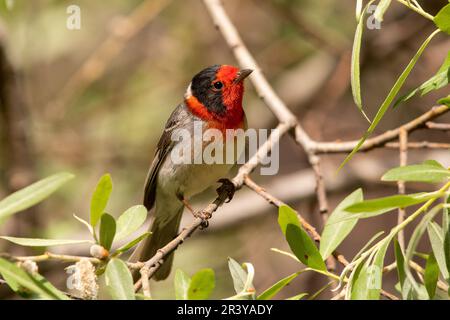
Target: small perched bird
(213,99)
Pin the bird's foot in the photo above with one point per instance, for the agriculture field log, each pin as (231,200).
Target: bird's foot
(205,216)
(228,187)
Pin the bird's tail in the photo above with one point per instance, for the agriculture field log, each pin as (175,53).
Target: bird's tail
(164,229)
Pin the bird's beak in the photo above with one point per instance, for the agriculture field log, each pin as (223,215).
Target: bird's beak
(242,74)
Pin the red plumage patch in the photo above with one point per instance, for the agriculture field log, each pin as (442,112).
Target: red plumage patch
(232,94)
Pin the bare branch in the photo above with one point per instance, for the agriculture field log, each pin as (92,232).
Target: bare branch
(380,140)
(438,126)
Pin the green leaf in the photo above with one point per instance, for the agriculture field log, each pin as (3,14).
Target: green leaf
(182,283)
(35,283)
(130,221)
(439,80)
(273,290)
(242,280)
(412,245)
(445,101)
(32,242)
(390,97)
(338,226)
(100,198)
(381,9)
(298,296)
(390,203)
(119,281)
(132,243)
(446,235)
(436,236)
(32,195)
(355,77)
(431,275)
(442,19)
(201,285)
(366,280)
(299,241)
(107,231)
(400,259)
(360,283)
(430,172)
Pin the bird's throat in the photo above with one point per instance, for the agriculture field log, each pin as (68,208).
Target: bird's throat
(233,118)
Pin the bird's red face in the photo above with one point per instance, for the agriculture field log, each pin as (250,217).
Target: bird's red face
(215,95)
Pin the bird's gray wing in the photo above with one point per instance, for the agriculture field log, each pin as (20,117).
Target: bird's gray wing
(179,118)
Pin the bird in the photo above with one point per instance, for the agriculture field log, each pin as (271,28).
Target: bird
(213,100)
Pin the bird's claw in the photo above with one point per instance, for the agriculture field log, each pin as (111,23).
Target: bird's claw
(204,217)
(228,187)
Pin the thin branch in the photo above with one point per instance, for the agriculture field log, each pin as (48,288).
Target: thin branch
(401,184)
(438,126)
(52,256)
(419,145)
(380,140)
(145,284)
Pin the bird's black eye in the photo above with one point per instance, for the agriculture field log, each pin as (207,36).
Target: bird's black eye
(218,85)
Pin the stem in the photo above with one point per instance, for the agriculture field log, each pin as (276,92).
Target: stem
(417,10)
(419,211)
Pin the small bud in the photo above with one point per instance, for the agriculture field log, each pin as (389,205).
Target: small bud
(99,252)
(29,266)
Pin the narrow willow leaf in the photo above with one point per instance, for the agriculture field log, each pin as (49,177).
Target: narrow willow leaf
(119,281)
(274,289)
(202,285)
(431,275)
(107,230)
(298,296)
(100,198)
(181,283)
(425,172)
(132,243)
(390,97)
(130,221)
(304,248)
(242,280)
(381,9)
(300,243)
(360,283)
(436,236)
(335,232)
(414,241)
(446,240)
(33,242)
(32,195)
(355,73)
(376,269)
(35,283)
(390,203)
(400,260)
(438,81)
(367,279)
(442,19)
